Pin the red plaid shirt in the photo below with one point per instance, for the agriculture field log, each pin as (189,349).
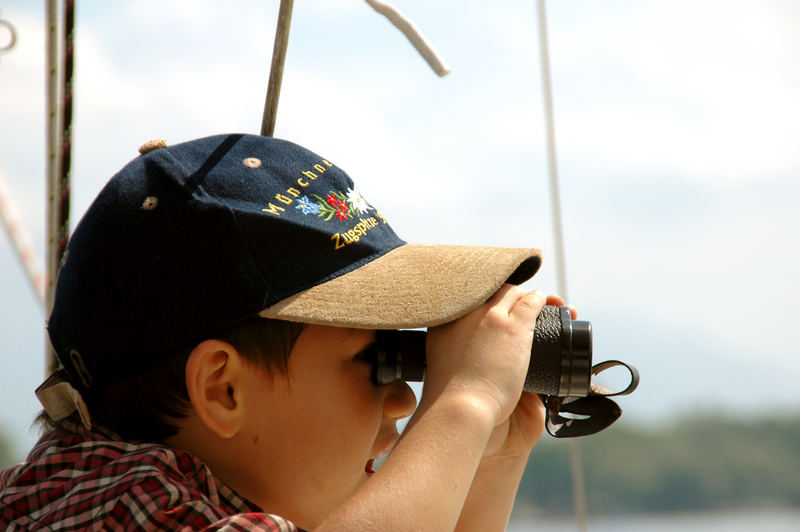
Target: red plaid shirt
(94,481)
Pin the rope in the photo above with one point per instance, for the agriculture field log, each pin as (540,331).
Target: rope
(413,34)
(576,466)
(62,219)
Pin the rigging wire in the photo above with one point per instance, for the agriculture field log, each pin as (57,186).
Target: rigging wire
(576,466)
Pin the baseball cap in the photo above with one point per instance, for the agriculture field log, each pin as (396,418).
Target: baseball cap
(190,239)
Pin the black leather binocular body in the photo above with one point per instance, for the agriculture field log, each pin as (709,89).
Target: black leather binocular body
(560,370)
(561,355)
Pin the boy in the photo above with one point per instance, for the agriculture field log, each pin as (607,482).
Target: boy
(212,317)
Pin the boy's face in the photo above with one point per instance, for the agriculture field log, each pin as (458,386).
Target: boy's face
(320,430)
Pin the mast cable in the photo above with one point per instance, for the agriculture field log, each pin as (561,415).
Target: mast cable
(576,466)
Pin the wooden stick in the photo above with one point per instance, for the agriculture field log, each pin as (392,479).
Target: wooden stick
(52,178)
(276,69)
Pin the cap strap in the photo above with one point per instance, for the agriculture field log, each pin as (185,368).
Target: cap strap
(60,399)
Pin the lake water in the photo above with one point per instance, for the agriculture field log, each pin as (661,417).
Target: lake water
(729,521)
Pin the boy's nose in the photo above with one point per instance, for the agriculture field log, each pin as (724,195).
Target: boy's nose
(399,401)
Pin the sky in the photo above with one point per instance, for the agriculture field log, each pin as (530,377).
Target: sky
(676,127)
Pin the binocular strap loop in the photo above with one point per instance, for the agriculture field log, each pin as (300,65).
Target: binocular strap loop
(582,416)
(602,366)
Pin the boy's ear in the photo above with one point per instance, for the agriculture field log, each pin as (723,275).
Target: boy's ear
(214,373)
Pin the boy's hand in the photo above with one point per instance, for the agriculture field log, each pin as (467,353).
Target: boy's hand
(491,495)
(516,436)
(482,358)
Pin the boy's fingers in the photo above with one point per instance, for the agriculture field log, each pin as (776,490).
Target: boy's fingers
(558,301)
(514,299)
(531,304)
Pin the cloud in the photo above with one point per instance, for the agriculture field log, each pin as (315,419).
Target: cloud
(707,95)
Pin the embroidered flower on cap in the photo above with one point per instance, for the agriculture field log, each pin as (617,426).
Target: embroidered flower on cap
(342,206)
(357,201)
(305,205)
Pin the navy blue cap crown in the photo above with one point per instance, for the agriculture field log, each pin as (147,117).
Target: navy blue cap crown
(189,239)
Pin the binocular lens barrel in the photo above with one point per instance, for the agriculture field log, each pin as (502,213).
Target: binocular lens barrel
(561,355)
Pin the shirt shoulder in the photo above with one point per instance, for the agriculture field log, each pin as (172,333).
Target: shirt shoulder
(77,483)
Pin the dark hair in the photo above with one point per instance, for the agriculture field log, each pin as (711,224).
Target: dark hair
(145,406)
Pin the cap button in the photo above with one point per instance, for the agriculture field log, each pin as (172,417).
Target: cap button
(151,145)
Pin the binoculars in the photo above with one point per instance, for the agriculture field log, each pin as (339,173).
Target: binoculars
(560,371)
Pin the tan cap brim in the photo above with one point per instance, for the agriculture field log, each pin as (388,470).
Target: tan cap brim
(414,285)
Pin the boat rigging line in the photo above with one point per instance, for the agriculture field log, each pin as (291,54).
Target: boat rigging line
(575,459)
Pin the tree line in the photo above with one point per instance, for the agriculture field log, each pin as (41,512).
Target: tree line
(701,463)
